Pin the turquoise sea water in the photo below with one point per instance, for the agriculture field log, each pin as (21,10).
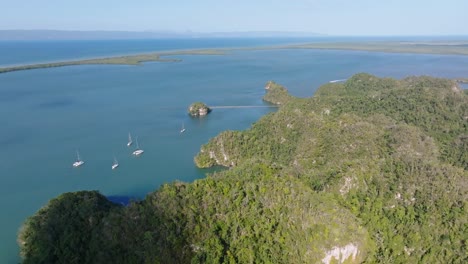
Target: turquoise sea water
(47,114)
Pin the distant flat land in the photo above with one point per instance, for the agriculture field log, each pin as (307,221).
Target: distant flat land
(454,48)
(439,47)
(118,60)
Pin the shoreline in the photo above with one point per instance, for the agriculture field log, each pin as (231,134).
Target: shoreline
(441,48)
(461,80)
(136,59)
(460,49)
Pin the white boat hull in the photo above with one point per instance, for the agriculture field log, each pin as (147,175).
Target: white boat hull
(138,152)
(114,166)
(78,163)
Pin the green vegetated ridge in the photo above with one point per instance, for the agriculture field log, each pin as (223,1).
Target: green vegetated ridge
(372,170)
(394,152)
(225,218)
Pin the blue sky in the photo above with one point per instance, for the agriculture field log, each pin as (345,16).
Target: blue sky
(333,17)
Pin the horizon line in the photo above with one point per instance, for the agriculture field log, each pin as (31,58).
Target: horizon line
(188,32)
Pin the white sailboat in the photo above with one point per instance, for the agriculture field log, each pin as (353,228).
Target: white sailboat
(130,142)
(183,129)
(115,164)
(138,151)
(78,161)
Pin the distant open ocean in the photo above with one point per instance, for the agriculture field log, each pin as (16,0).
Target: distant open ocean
(48,114)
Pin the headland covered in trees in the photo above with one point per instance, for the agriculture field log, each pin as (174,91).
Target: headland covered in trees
(369,170)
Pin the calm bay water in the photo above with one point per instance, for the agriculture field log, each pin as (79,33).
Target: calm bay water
(25,52)
(48,114)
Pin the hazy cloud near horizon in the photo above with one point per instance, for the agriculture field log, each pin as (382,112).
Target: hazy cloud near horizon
(332,17)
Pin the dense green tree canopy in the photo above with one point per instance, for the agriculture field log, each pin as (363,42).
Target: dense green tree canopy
(371,170)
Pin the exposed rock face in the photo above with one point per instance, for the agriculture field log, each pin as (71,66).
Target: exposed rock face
(215,152)
(198,109)
(342,254)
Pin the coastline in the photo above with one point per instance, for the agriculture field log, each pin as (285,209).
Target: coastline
(136,59)
(255,170)
(146,122)
(441,48)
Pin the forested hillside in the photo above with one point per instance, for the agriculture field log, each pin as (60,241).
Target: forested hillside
(372,170)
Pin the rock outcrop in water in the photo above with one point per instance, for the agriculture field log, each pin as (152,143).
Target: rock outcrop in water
(198,109)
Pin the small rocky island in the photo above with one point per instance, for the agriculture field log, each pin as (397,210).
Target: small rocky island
(198,109)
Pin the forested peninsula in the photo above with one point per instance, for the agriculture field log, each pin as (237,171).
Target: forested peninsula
(372,170)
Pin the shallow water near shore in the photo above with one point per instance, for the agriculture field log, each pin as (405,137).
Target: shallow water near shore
(48,114)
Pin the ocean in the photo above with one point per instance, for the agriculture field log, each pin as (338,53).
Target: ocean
(49,114)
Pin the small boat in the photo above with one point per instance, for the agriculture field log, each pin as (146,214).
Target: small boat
(115,164)
(183,129)
(130,142)
(78,161)
(138,151)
